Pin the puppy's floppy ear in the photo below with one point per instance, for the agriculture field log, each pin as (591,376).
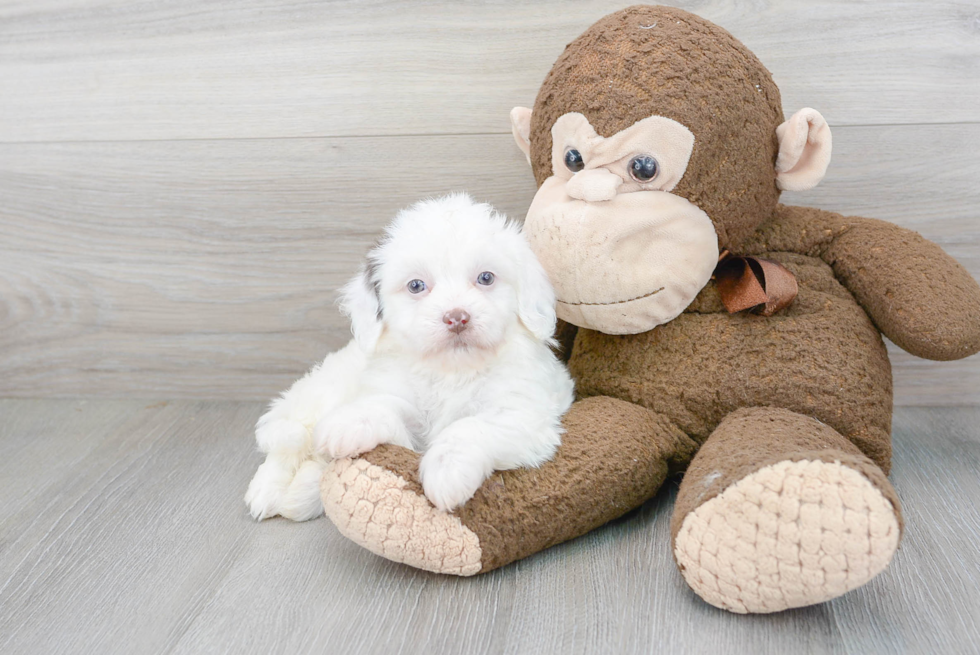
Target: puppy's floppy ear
(360,299)
(536,297)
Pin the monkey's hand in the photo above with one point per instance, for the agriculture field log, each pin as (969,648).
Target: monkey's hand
(917,295)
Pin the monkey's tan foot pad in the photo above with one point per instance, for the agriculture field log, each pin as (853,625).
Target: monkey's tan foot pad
(389,515)
(791,534)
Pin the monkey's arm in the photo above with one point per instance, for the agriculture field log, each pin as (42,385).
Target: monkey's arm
(916,294)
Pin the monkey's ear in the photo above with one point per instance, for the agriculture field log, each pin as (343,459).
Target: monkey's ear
(359,299)
(520,125)
(804,151)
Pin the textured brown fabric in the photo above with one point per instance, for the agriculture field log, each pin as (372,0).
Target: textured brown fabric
(660,61)
(752,438)
(614,456)
(917,295)
(821,356)
(398,460)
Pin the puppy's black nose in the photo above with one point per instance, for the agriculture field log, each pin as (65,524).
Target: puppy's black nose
(456,320)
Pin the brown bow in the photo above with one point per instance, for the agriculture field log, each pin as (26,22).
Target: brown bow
(752,282)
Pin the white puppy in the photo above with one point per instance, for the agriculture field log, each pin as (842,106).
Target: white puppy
(452,319)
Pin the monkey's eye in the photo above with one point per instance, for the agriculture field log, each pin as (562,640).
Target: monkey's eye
(416,286)
(643,168)
(573,160)
(485,278)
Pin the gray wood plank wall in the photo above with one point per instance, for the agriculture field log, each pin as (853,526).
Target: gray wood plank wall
(183,184)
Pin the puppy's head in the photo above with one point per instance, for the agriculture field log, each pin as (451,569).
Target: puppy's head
(449,274)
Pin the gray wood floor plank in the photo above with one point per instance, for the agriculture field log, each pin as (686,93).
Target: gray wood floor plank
(40,448)
(306,589)
(207,269)
(125,544)
(141,543)
(176,69)
(935,579)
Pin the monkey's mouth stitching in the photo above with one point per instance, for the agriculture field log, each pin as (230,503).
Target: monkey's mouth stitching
(615,302)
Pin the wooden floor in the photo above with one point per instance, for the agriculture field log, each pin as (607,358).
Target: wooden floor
(122,530)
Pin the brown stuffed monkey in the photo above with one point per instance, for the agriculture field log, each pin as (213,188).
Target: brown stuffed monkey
(659,145)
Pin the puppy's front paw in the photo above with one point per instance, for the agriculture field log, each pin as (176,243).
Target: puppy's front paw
(451,474)
(267,489)
(355,430)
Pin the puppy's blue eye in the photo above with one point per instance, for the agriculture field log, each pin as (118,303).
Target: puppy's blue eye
(416,286)
(485,278)
(573,160)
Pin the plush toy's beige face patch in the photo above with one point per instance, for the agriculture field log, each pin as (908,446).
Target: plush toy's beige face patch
(656,145)
(623,253)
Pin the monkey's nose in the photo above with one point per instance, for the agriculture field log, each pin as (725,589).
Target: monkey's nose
(456,320)
(594,185)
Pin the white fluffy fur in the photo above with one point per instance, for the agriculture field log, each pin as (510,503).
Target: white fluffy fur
(488,398)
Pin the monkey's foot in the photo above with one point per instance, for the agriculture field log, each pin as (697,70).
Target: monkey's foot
(614,455)
(387,513)
(791,534)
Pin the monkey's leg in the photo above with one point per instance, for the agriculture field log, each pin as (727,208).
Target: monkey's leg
(614,455)
(778,510)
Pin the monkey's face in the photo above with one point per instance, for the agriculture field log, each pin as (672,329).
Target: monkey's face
(623,253)
(667,140)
